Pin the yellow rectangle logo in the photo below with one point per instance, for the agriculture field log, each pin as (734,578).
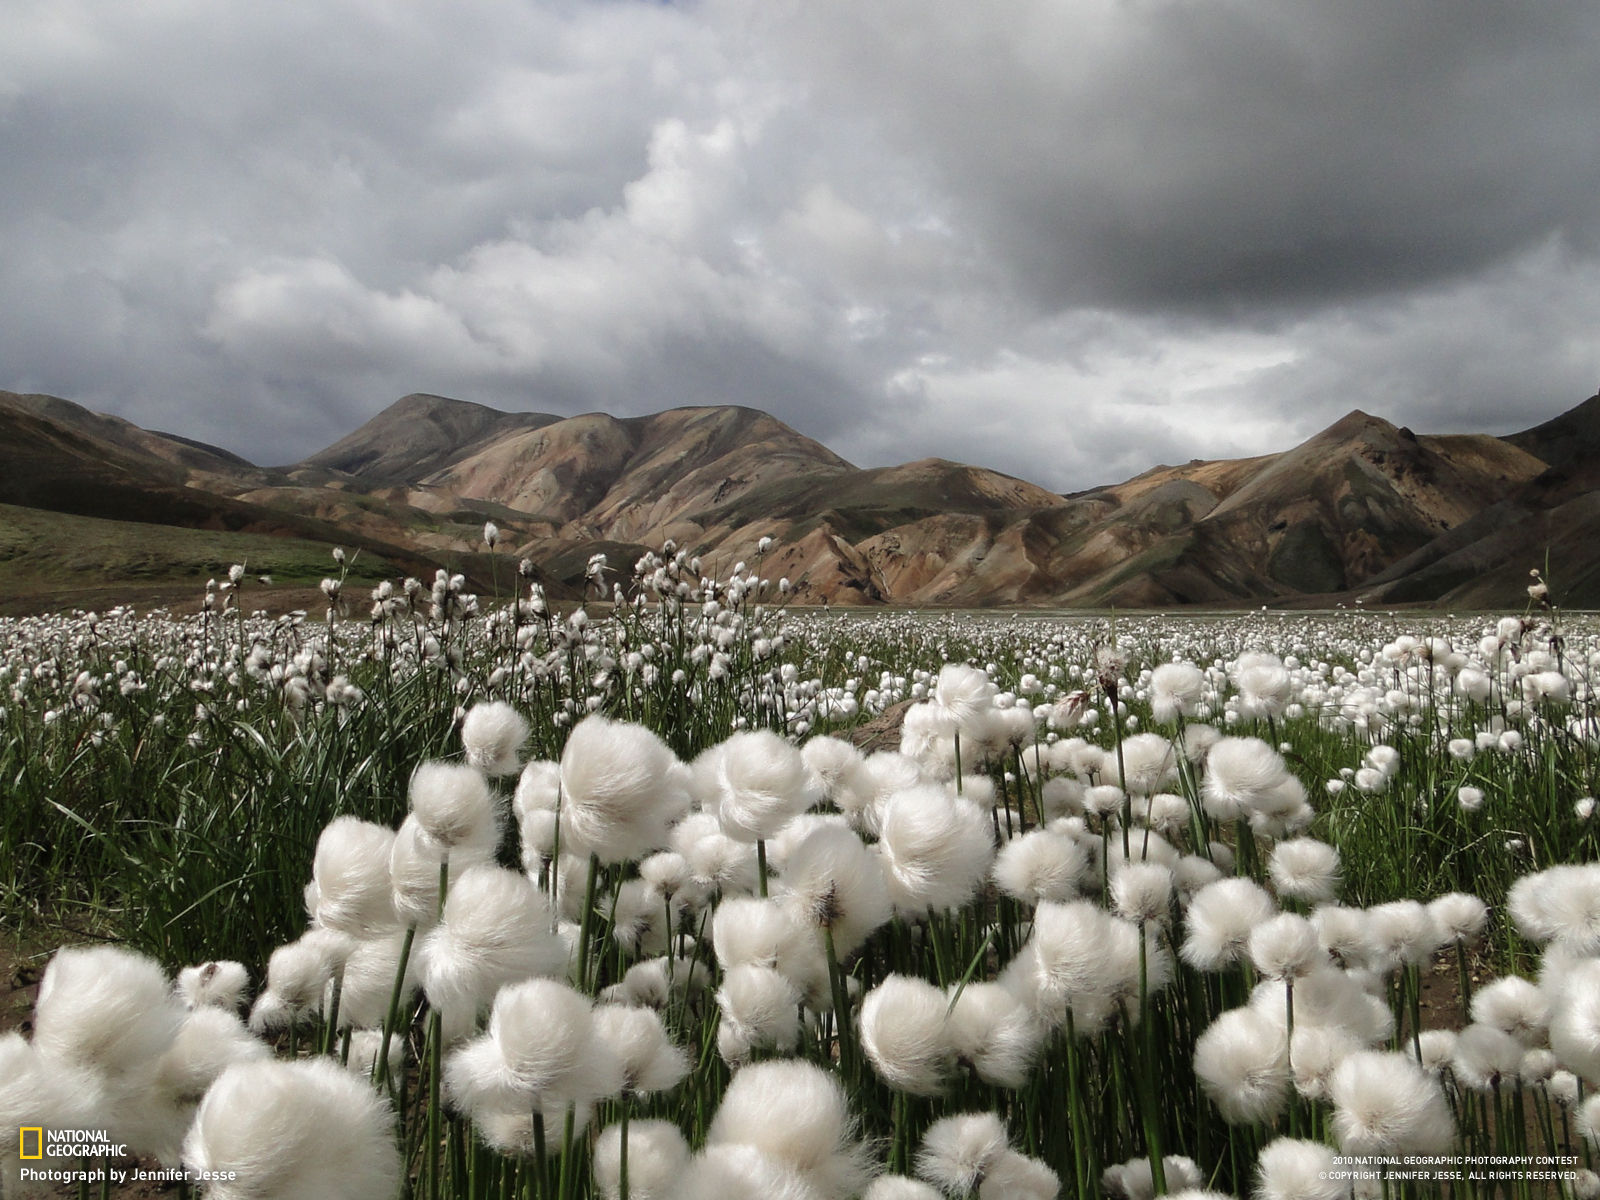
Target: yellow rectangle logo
(38,1142)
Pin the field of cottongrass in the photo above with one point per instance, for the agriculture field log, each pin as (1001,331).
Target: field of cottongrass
(461,897)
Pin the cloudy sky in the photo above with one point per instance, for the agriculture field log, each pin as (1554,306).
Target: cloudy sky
(1064,238)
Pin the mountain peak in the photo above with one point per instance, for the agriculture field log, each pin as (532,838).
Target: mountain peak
(419,434)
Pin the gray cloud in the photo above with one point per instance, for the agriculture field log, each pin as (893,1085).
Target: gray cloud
(1066,240)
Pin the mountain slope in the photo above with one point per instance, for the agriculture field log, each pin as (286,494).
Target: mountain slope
(1362,510)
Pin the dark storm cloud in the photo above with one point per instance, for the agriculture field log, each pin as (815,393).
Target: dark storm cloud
(1066,238)
(1154,153)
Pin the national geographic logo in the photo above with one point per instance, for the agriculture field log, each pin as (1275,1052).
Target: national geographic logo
(38,1142)
(34,1143)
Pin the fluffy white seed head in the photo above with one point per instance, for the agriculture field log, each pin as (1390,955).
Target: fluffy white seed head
(1342,932)
(1575,1020)
(657,1157)
(837,883)
(899,1187)
(620,794)
(351,874)
(105,1009)
(737,1172)
(414,867)
(1316,1052)
(1041,865)
(1513,1005)
(1459,917)
(761,782)
(1484,1058)
(1387,1104)
(296,1131)
(369,975)
(1149,763)
(957,1152)
(1242,1062)
(936,849)
(906,1036)
(1142,892)
(1263,683)
(1436,1048)
(1014,1176)
(650,1061)
(796,1114)
(1285,947)
(1219,921)
(213,984)
(1071,945)
(769,933)
(1305,869)
(838,772)
(1134,1180)
(493,734)
(1291,1169)
(452,804)
(760,1011)
(495,931)
(993,1032)
(967,695)
(1400,932)
(1240,772)
(1193,872)
(1175,691)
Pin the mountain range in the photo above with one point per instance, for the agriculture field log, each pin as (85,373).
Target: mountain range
(1363,512)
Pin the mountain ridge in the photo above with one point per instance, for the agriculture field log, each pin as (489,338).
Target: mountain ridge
(1363,510)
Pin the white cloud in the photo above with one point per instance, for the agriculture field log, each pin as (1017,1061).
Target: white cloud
(1068,240)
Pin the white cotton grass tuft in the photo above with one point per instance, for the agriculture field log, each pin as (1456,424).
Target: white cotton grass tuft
(1436,1048)
(1316,1052)
(1193,872)
(535,806)
(1292,1169)
(209,1041)
(796,1114)
(1014,1176)
(901,1187)
(105,1009)
(1142,892)
(1134,1180)
(452,804)
(1071,945)
(1242,1062)
(993,1032)
(1513,1005)
(1484,1058)
(1401,932)
(658,1154)
(839,772)
(1263,683)
(294,1131)
(1285,947)
(1575,1021)
(1305,869)
(905,1034)
(738,1172)
(1219,920)
(1342,932)
(966,694)
(761,782)
(415,862)
(716,862)
(1560,904)
(1388,1104)
(936,849)
(1460,917)
(351,873)
(836,883)
(957,1152)
(1240,773)
(369,977)
(1041,865)
(1149,763)
(746,931)
(648,1059)
(495,931)
(760,1011)
(1175,691)
(493,734)
(541,1049)
(213,985)
(620,794)
(366,1045)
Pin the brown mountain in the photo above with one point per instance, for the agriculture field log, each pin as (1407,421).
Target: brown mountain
(1363,509)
